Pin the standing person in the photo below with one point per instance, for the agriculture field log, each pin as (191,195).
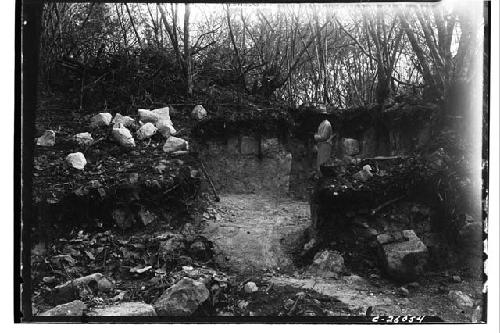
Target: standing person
(323,138)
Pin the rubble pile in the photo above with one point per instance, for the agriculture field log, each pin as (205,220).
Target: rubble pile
(111,269)
(368,209)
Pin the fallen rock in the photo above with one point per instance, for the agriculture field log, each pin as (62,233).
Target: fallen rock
(350,146)
(162,113)
(174,144)
(461,300)
(100,120)
(251,287)
(165,128)
(160,118)
(199,112)
(182,299)
(74,308)
(363,175)
(147,116)
(328,264)
(124,120)
(146,131)
(48,139)
(127,309)
(164,123)
(69,290)
(76,160)
(84,139)
(404,258)
(123,137)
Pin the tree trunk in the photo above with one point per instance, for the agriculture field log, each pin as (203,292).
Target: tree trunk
(187,52)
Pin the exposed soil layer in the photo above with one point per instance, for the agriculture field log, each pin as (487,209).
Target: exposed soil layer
(258,160)
(262,236)
(257,232)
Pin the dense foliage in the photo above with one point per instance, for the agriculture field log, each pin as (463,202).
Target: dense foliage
(107,55)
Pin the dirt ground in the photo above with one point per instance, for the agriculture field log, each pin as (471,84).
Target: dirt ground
(249,231)
(253,236)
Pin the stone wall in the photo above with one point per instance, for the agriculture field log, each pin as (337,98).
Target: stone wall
(243,159)
(248,164)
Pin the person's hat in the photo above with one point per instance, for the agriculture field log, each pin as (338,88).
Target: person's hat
(322,109)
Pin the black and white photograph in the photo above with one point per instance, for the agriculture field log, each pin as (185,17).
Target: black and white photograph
(253,162)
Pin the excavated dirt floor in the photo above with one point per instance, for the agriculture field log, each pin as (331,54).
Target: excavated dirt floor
(255,236)
(250,231)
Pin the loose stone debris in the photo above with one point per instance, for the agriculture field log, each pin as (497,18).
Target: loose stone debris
(48,139)
(293,271)
(70,290)
(84,139)
(146,131)
(461,300)
(146,116)
(182,299)
(328,264)
(404,255)
(364,174)
(174,144)
(124,120)
(100,120)
(199,112)
(123,137)
(251,287)
(126,309)
(76,160)
(73,309)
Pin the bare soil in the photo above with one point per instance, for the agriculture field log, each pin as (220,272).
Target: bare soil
(256,236)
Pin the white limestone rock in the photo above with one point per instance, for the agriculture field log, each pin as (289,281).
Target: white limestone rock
(76,160)
(146,115)
(251,287)
(126,309)
(461,299)
(123,137)
(100,120)
(174,144)
(182,299)
(84,139)
(163,113)
(48,139)
(199,112)
(124,120)
(166,128)
(74,308)
(146,131)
